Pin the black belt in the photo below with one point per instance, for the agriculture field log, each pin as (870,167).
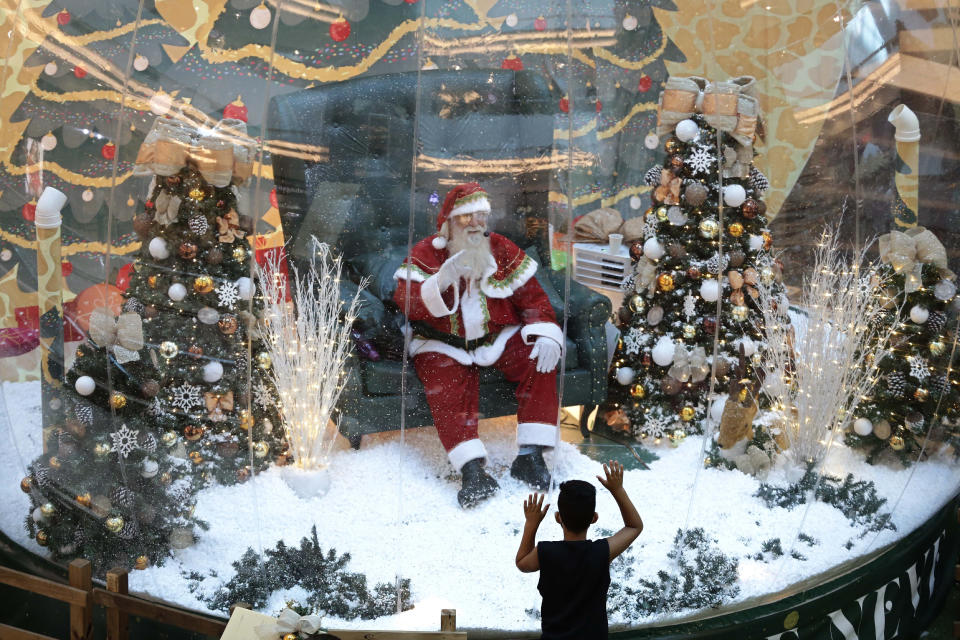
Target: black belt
(425,331)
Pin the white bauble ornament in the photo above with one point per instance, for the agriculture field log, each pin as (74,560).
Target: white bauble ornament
(208,315)
(245,288)
(37,515)
(149,468)
(651,141)
(212,371)
(756,243)
(663,351)
(87,195)
(710,290)
(625,375)
(48,142)
(862,427)
(635,202)
(944,290)
(512,20)
(919,314)
(749,346)
(50,68)
(716,409)
(687,130)
(260,17)
(85,385)
(177,292)
(159,249)
(140,63)
(653,249)
(734,195)
(630,22)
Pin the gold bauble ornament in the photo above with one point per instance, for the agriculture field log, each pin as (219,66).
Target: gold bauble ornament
(169,438)
(101,450)
(246,420)
(114,525)
(83,500)
(735,229)
(26,484)
(756,358)
(738,313)
(921,394)
(152,282)
(744,389)
(673,145)
(896,443)
(118,400)
(636,303)
(203,284)
(169,349)
(678,436)
(195,457)
(42,539)
(937,347)
(141,563)
(166,478)
(767,240)
(239,254)
(48,510)
(196,193)
(54,462)
(661,213)
(290,636)
(192,432)
(637,391)
(766,275)
(687,413)
(264,361)
(228,324)
(689,331)
(665,282)
(709,228)
(261,449)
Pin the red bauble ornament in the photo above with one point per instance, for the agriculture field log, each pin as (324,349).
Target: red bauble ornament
(636,250)
(79,72)
(693,273)
(512,63)
(565,105)
(66,268)
(339,30)
(599,106)
(108,151)
(63,18)
(273,198)
(646,359)
(148,204)
(29,211)
(645,83)
(709,324)
(236,110)
(410,1)
(123,276)
(540,23)
(749,208)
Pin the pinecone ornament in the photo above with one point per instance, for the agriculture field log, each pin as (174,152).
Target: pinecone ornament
(133,305)
(939,384)
(123,497)
(84,414)
(199,225)
(652,176)
(897,385)
(758,181)
(79,536)
(716,264)
(130,530)
(937,321)
(41,476)
(148,442)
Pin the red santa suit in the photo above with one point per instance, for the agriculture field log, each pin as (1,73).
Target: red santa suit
(490,322)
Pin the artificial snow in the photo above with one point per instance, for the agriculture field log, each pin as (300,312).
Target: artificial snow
(393,507)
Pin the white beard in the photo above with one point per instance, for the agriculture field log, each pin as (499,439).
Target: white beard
(476,251)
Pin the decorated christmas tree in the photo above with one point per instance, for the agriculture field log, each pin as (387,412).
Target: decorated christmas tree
(692,292)
(161,399)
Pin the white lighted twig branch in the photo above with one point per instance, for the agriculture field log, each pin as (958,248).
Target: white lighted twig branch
(816,382)
(309,342)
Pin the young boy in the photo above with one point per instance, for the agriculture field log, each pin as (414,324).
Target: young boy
(575,572)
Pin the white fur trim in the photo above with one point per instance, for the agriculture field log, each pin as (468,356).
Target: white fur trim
(465,452)
(472,306)
(534,330)
(480,205)
(481,356)
(409,272)
(544,435)
(496,289)
(439,242)
(433,300)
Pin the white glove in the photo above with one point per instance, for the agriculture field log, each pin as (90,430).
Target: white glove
(547,353)
(449,272)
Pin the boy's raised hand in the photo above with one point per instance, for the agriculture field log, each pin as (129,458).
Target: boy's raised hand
(533,509)
(614,472)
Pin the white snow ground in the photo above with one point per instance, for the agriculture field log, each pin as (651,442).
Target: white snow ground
(393,507)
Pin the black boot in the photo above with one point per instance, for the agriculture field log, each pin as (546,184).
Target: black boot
(532,469)
(477,484)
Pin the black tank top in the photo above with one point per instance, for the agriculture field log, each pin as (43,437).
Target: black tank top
(574,577)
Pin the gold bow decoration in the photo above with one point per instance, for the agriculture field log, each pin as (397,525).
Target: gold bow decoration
(669,190)
(689,365)
(290,622)
(907,252)
(223,154)
(123,335)
(228,227)
(217,405)
(167,207)
(729,106)
(645,276)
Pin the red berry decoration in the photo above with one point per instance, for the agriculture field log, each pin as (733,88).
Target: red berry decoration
(63,18)
(540,23)
(79,72)
(645,83)
(565,105)
(339,30)
(29,211)
(512,63)
(108,151)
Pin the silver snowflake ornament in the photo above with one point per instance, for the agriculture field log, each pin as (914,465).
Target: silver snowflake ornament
(701,160)
(689,306)
(228,294)
(657,427)
(186,396)
(918,368)
(633,340)
(156,409)
(261,396)
(124,440)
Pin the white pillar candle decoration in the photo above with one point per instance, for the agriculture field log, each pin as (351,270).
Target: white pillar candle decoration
(85,385)
(710,290)
(653,249)
(177,292)
(734,195)
(663,351)
(687,130)
(159,249)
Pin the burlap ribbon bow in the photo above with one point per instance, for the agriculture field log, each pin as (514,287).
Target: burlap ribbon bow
(597,225)
(689,365)
(907,252)
(122,335)
(645,276)
(729,106)
(167,208)
(669,190)
(290,621)
(217,405)
(223,154)
(228,227)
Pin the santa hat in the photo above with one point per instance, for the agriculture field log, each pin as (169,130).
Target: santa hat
(462,200)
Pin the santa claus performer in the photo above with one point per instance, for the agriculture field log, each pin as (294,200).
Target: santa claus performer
(471,301)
